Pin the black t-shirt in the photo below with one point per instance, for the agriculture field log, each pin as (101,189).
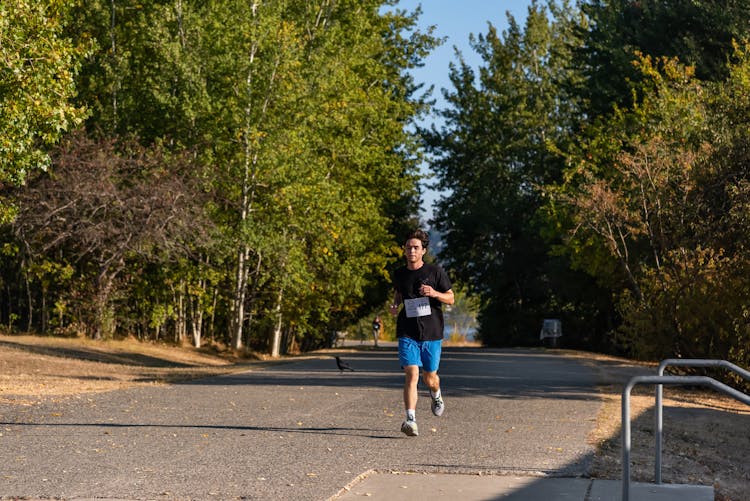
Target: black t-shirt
(407,283)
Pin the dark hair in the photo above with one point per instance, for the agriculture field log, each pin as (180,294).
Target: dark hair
(420,235)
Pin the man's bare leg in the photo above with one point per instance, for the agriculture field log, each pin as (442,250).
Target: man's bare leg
(432,380)
(411,378)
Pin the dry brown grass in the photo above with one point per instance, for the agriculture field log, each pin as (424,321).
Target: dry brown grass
(35,367)
(706,436)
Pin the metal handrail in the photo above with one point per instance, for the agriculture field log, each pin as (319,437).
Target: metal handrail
(661,380)
(659,413)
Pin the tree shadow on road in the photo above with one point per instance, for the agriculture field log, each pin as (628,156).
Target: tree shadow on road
(500,375)
(326,430)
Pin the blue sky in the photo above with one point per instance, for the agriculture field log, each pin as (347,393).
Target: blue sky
(456,19)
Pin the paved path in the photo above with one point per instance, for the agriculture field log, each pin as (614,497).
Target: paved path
(302,430)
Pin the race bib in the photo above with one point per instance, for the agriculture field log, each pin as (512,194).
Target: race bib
(419,307)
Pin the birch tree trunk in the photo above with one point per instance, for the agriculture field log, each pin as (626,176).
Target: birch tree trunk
(276,341)
(251,158)
(238,301)
(243,253)
(196,316)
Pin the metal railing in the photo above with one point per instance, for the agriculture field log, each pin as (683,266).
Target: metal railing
(661,380)
(682,362)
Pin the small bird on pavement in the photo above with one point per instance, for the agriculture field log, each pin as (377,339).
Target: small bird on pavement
(343,366)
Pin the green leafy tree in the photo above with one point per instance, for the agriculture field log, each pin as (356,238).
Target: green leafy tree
(312,160)
(293,116)
(147,79)
(103,204)
(660,195)
(147,76)
(699,34)
(36,86)
(500,146)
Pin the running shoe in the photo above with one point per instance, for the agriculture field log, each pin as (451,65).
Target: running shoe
(409,428)
(438,406)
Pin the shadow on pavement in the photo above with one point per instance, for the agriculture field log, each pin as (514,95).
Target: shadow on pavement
(358,432)
(502,379)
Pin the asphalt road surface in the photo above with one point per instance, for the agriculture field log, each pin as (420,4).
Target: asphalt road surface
(302,430)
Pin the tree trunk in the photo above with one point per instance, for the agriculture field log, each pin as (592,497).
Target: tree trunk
(45,313)
(212,319)
(30,302)
(197,324)
(102,314)
(180,328)
(238,301)
(105,281)
(196,314)
(113,55)
(276,341)
(248,187)
(251,296)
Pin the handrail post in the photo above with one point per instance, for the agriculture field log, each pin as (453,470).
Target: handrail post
(626,440)
(659,418)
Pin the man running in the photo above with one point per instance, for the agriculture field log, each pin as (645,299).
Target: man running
(422,288)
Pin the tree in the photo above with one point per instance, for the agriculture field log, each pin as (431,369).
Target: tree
(36,86)
(699,34)
(105,203)
(659,191)
(291,116)
(314,156)
(501,145)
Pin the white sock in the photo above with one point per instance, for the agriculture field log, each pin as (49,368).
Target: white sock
(436,394)
(411,415)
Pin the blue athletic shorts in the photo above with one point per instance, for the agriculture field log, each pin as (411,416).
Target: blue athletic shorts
(425,354)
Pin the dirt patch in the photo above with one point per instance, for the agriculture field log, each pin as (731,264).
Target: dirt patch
(706,437)
(33,368)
